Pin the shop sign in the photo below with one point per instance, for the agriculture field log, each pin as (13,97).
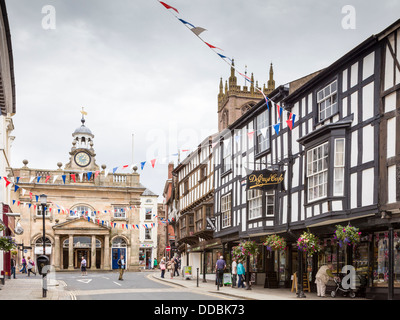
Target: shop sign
(187,271)
(265,179)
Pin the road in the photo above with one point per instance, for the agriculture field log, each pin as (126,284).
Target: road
(135,286)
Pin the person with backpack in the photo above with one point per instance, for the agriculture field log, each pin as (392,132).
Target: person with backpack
(121,267)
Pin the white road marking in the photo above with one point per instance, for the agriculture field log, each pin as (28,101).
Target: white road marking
(84,280)
(117,283)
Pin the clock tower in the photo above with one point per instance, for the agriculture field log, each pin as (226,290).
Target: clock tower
(82,155)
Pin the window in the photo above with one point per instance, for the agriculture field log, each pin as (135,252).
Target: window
(270,201)
(339,168)
(199,219)
(186,187)
(147,234)
(317,172)
(203,172)
(226,154)
(147,215)
(226,211)
(39,211)
(255,203)
(119,212)
(262,122)
(81,211)
(327,101)
(119,243)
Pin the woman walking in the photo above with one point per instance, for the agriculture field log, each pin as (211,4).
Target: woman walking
(240,273)
(30,267)
(162,267)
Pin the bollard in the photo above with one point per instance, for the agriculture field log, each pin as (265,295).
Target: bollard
(197,276)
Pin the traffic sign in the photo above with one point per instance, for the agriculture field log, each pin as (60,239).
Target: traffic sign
(168,248)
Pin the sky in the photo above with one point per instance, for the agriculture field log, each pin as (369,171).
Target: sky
(148,84)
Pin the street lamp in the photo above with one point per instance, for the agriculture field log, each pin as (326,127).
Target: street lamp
(43,203)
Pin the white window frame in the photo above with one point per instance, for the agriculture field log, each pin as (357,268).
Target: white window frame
(262,122)
(148,234)
(339,163)
(254,198)
(39,211)
(227,154)
(270,195)
(317,172)
(226,210)
(327,101)
(79,212)
(119,212)
(148,211)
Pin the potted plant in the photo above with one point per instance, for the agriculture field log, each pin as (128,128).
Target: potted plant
(275,242)
(349,235)
(308,243)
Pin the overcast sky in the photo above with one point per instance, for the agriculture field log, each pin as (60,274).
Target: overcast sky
(138,70)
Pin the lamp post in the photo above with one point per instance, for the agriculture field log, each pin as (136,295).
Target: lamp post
(43,203)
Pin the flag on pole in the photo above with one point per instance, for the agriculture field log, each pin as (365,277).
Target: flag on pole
(167,6)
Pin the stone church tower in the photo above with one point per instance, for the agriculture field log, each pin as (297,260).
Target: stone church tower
(234,101)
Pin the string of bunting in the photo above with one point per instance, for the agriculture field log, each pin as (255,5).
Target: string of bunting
(197,31)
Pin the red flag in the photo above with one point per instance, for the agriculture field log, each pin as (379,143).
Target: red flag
(211,46)
(73,177)
(19,202)
(168,6)
(30,195)
(7,182)
(250,134)
(47,179)
(96,173)
(125,166)
(290,122)
(153,162)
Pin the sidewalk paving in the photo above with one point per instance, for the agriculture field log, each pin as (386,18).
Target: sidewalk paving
(257,292)
(23,288)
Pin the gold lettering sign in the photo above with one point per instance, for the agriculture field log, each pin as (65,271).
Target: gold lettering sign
(265,179)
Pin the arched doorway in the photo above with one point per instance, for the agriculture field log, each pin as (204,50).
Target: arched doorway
(119,246)
(82,247)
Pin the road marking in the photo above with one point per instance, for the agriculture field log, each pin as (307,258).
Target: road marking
(106,278)
(84,280)
(117,283)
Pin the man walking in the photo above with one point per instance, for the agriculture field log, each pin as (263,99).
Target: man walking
(121,266)
(234,272)
(219,269)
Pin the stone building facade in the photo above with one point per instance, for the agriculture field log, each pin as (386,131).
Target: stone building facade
(90,212)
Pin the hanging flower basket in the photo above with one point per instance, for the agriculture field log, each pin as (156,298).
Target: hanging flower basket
(275,242)
(308,243)
(7,244)
(244,249)
(347,235)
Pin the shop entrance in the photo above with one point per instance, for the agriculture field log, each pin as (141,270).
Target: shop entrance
(78,254)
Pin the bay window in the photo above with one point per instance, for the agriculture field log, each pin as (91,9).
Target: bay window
(317,172)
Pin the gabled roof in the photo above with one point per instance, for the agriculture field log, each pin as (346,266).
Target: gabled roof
(148,192)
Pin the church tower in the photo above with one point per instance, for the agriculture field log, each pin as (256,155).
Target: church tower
(234,101)
(82,155)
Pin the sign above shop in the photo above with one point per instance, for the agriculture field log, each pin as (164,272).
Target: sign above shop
(265,180)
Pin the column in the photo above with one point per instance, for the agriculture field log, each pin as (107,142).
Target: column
(57,252)
(71,252)
(106,252)
(93,259)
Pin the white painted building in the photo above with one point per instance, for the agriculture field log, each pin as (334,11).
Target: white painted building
(148,226)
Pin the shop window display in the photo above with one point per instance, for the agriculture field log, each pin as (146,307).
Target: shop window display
(381,260)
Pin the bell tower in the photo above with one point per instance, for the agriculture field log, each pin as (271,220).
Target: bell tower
(82,155)
(234,101)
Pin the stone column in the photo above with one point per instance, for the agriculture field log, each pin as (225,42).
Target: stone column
(71,252)
(93,259)
(106,253)
(57,252)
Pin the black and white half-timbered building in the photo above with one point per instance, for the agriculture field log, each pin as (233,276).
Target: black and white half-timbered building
(341,164)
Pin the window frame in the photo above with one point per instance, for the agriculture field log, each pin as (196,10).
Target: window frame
(325,98)
(226,211)
(315,175)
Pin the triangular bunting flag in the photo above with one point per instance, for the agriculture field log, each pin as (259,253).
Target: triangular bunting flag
(63,177)
(264,132)
(15,188)
(153,162)
(89,175)
(115,169)
(73,177)
(168,6)
(277,127)
(47,179)
(142,164)
(198,30)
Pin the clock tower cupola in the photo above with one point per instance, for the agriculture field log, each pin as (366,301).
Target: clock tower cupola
(82,155)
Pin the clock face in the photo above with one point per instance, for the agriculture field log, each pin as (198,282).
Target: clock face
(82,159)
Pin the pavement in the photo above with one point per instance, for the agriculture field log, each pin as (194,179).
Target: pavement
(23,288)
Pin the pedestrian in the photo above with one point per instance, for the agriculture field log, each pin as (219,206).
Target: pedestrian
(23,269)
(155,263)
(121,266)
(219,269)
(234,272)
(162,267)
(176,267)
(149,263)
(31,266)
(83,266)
(170,267)
(13,265)
(240,273)
(322,277)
